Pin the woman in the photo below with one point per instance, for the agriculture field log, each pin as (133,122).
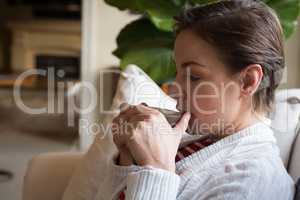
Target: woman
(229,59)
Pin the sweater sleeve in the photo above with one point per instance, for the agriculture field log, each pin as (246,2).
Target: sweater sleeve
(152,183)
(247,180)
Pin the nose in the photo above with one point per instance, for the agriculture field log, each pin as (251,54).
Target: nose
(179,94)
(179,105)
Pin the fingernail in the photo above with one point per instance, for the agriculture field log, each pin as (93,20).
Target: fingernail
(123,106)
(188,114)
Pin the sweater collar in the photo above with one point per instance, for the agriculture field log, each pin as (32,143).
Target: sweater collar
(258,132)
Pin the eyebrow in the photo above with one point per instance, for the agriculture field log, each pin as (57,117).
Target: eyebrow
(186,64)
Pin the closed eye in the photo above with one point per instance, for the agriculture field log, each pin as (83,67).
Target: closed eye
(194,78)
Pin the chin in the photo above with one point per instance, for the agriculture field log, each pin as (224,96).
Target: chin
(195,123)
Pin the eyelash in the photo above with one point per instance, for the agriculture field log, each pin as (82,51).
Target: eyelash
(194,78)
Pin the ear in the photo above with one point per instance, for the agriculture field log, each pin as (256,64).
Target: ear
(250,79)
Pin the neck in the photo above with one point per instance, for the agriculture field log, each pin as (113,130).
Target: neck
(242,122)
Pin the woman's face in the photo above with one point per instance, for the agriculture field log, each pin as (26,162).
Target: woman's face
(204,85)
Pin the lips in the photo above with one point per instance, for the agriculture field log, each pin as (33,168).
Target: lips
(181,106)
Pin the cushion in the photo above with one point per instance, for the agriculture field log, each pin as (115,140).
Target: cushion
(297,192)
(285,119)
(48,175)
(135,87)
(294,164)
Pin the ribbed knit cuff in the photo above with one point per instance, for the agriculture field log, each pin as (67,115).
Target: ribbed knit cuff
(152,184)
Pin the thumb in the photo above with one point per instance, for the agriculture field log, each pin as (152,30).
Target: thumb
(183,123)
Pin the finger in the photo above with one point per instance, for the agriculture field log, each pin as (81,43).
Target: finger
(115,121)
(116,139)
(117,126)
(127,115)
(144,104)
(124,106)
(183,123)
(127,108)
(149,110)
(120,133)
(138,118)
(136,113)
(125,157)
(126,111)
(119,120)
(136,109)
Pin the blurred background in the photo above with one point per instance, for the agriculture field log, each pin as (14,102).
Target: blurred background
(34,35)
(75,39)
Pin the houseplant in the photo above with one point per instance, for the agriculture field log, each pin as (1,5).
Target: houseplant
(148,41)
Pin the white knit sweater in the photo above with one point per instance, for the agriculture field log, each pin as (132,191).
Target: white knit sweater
(245,165)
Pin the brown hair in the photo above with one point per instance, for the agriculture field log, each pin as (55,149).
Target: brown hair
(244,32)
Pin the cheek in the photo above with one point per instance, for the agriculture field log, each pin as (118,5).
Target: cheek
(205,99)
(215,102)
(205,107)
(231,102)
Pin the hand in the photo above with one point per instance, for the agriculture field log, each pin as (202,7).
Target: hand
(125,158)
(149,137)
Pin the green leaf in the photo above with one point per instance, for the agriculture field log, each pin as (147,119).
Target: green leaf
(156,62)
(204,2)
(161,12)
(148,42)
(180,3)
(287,11)
(165,23)
(288,28)
(142,34)
(124,4)
(141,43)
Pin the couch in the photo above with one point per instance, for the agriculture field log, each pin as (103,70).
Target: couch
(48,174)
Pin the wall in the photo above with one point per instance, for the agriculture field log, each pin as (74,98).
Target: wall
(8,13)
(1,51)
(292,54)
(100,27)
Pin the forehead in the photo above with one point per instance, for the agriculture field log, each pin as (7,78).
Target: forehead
(191,47)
